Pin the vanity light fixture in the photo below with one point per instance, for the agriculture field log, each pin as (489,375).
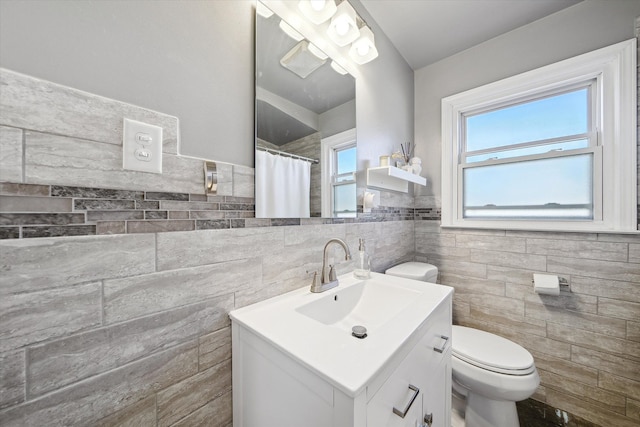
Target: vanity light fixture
(290,31)
(344,27)
(318,11)
(263,10)
(317,52)
(364,49)
(338,69)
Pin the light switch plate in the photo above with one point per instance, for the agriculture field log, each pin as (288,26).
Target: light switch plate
(141,147)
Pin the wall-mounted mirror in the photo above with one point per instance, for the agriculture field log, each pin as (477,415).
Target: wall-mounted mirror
(305,126)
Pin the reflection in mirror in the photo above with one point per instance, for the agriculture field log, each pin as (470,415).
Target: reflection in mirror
(305,126)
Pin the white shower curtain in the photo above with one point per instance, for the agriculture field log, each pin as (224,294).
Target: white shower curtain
(282,186)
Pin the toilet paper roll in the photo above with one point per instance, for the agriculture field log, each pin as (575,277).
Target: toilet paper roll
(547,284)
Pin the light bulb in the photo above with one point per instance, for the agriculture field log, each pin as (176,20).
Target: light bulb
(342,27)
(317,5)
(362,49)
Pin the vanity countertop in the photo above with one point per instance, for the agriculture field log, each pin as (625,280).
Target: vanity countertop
(315,328)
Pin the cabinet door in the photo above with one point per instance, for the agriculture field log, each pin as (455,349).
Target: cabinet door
(435,376)
(402,390)
(428,368)
(437,394)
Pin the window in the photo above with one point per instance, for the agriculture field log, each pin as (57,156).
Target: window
(338,159)
(343,182)
(532,159)
(553,148)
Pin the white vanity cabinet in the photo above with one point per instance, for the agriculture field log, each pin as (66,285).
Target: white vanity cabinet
(272,387)
(425,374)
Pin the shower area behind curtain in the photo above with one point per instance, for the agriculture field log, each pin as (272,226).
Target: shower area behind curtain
(282,186)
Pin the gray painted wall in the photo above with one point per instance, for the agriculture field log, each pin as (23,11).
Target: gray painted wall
(586,26)
(191,59)
(384,95)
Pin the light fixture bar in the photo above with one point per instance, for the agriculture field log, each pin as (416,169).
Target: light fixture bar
(317,11)
(338,69)
(317,52)
(290,31)
(263,10)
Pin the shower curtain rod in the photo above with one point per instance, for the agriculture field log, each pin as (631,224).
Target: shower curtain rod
(295,156)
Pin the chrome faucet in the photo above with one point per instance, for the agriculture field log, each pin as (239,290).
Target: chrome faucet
(328,277)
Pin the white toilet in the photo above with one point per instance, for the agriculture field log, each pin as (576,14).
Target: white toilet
(492,373)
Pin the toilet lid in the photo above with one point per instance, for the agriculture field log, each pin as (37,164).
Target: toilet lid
(414,270)
(491,352)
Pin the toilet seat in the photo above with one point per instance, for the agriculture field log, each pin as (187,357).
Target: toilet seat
(490,352)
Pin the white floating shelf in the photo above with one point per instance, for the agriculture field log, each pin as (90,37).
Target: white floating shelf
(392,178)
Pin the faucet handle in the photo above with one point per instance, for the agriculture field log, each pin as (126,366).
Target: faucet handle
(332,273)
(314,283)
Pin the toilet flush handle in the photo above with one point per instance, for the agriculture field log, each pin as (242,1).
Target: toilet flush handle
(444,344)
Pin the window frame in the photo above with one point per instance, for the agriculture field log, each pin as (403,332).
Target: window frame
(329,146)
(594,145)
(613,114)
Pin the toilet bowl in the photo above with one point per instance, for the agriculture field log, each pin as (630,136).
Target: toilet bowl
(493,373)
(490,373)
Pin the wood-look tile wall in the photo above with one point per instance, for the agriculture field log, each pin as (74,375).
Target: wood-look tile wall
(131,328)
(585,342)
(95,325)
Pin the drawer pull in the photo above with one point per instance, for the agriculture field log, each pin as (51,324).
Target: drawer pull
(444,344)
(402,414)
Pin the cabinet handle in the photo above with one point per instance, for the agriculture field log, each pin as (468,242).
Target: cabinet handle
(402,414)
(444,344)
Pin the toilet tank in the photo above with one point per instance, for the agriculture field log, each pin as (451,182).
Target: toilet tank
(416,271)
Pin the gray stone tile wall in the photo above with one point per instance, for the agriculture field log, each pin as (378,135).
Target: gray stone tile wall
(583,341)
(128,323)
(11,154)
(71,210)
(60,210)
(147,318)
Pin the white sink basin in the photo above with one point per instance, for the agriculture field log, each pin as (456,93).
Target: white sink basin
(314,329)
(369,304)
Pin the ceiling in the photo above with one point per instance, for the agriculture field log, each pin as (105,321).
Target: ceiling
(426,31)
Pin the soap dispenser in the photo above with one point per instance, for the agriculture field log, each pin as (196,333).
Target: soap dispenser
(363,266)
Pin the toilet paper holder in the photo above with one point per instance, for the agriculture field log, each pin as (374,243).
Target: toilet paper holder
(561,281)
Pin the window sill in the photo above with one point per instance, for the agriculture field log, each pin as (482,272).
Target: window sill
(564,227)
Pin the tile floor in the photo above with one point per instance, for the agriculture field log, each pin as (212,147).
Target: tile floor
(531,414)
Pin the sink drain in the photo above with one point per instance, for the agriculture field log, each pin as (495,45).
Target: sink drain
(359,332)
